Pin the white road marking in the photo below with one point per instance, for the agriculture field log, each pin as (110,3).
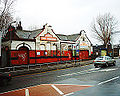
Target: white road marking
(59,91)
(88,71)
(64,75)
(68,94)
(81,72)
(109,69)
(94,69)
(27,92)
(108,80)
(73,73)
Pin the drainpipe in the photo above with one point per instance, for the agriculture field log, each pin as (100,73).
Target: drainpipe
(60,51)
(35,49)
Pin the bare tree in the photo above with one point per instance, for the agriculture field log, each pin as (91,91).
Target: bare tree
(104,28)
(6,9)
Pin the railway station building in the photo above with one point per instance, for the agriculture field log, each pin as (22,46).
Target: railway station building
(22,47)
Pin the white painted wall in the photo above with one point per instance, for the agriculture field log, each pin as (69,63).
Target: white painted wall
(42,47)
(80,40)
(15,45)
(48,46)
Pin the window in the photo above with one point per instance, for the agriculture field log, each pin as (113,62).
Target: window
(42,47)
(83,39)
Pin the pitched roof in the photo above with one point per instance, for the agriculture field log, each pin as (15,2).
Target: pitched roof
(62,37)
(27,34)
(72,37)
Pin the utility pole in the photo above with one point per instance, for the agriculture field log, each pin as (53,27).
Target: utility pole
(0,46)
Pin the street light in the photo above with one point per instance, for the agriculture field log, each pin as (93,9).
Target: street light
(10,39)
(76,51)
(0,45)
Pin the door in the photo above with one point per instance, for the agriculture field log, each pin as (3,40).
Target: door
(83,54)
(48,49)
(23,55)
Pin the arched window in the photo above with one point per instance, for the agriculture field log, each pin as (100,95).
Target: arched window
(42,47)
(23,48)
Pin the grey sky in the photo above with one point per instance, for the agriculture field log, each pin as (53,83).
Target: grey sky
(65,16)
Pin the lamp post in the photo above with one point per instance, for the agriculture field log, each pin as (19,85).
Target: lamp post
(10,37)
(79,48)
(78,44)
(119,48)
(0,45)
(112,46)
(56,52)
(75,53)
(96,52)
(35,49)
(60,51)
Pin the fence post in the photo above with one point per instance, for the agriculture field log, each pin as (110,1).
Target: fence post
(13,68)
(28,67)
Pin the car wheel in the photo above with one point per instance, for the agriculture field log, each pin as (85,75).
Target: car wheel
(107,64)
(113,63)
(96,66)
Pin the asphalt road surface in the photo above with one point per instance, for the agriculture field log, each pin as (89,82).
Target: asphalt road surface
(77,81)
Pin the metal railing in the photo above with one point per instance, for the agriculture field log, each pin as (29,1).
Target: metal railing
(40,66)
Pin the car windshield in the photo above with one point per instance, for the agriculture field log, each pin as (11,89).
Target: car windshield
(99,58)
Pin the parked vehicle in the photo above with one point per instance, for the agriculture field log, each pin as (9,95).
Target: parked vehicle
(104,61)
(4,78)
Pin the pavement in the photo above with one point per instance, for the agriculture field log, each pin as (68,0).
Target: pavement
(50,67)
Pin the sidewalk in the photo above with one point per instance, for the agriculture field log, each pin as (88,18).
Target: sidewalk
(45,68)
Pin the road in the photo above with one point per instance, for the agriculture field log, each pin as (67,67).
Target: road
(76,81)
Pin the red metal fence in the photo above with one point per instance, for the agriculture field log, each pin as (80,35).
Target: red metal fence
(23,57)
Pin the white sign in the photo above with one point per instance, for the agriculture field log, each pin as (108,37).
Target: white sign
(45,53)
(38,53)
(83,45)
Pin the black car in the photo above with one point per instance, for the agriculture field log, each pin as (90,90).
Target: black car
(4,78)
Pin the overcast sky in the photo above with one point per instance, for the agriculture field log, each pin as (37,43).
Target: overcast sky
(65,16)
